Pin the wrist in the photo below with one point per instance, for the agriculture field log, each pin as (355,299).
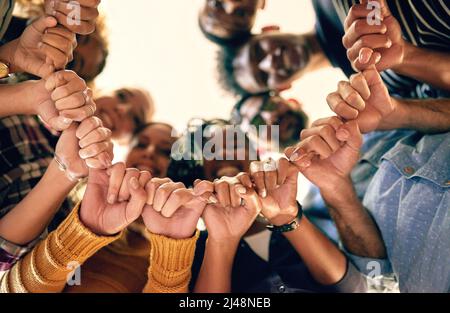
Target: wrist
(340,194)
(288,215)
(399,118)
(409,51)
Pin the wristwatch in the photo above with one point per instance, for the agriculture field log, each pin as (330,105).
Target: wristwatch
(4,70)
(290,226)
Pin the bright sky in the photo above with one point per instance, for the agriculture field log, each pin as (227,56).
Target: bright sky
(157,45)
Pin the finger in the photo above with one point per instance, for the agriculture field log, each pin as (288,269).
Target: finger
(96,136)
(86,13)
(351,96)
(73,101)
(283,166)
(124,192)
(234,196)
(95,149)
(61,43)
(360,28)
(81,113)
(327,133)
(43,23)
(374,59)
(87,126)
(70,88)
(163,193)
(244,179)
(222,191)
(101,161)
(359,83)
(144,178)
(356,12)
(333,121)
(205,189)
(63,32)
(57,58)
(318,145)
(79,27)
(58,123)
(270,175)
(137,201)
(368,41)
(251,199)
(152,186)
(351,134)
(117,173)
(340,107)
(257,173)
(177,199)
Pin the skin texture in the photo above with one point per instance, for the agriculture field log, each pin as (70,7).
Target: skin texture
(121,111)
(62,11)
(152,150)
(41,49)
(229,18)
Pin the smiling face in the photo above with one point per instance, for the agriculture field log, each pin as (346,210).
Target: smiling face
(152,150)
(125,111)
(229,18)
(270,61)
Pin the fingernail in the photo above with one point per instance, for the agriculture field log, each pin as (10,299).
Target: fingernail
(306,163)
(389,43)
(384,29)
(111,199)
(264,193)
(213,199)
(39,45)
(67,121)
(241,190)
(294,157)
(134,183)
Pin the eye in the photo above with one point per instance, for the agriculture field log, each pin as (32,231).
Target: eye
(240,13)
(215,4)
(122,96)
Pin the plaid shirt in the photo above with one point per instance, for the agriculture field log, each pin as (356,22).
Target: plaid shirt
(26,150)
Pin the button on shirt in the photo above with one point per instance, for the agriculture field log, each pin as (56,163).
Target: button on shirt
(409,199)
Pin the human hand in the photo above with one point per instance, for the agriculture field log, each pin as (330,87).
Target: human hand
(233,208)
(364,99)
(106,218)
(43,48)
(77,16)
(171,209)
(84,146)
(380,44)
(328,151)
(276,183)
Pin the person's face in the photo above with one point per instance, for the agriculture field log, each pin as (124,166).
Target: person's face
(229,18)
(152,151)
(218,168)
(275,111)
(124,110)
(88,57)
(269,61)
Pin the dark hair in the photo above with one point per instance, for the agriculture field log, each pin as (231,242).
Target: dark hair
(236,40)
(225,69)
(187,170)
(302,123)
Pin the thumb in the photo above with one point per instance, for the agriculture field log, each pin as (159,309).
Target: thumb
(59,123)
(351,135)
(137,201)
(43,23)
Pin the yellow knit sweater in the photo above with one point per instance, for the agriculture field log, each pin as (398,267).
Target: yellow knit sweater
(106,266)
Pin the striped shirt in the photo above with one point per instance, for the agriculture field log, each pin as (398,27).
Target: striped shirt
(6,10)
(424,23)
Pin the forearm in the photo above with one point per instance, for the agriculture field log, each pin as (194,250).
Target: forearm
(425,65)
(217,255)
(427,116)
(30,217)
(170,264)
(324,260)
(17,99)
(48,266)
(357,230)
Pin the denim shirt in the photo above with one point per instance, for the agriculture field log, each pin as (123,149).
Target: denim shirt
(409,199)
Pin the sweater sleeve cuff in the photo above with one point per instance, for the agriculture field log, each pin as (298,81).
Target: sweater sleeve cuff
(76,241)
(171,262)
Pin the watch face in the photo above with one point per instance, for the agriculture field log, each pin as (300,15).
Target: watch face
(4,70)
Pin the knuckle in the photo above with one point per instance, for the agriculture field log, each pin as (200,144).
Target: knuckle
(326,130)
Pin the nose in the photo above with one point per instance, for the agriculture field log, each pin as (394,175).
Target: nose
(150,151)
(230,6)
(272,62)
